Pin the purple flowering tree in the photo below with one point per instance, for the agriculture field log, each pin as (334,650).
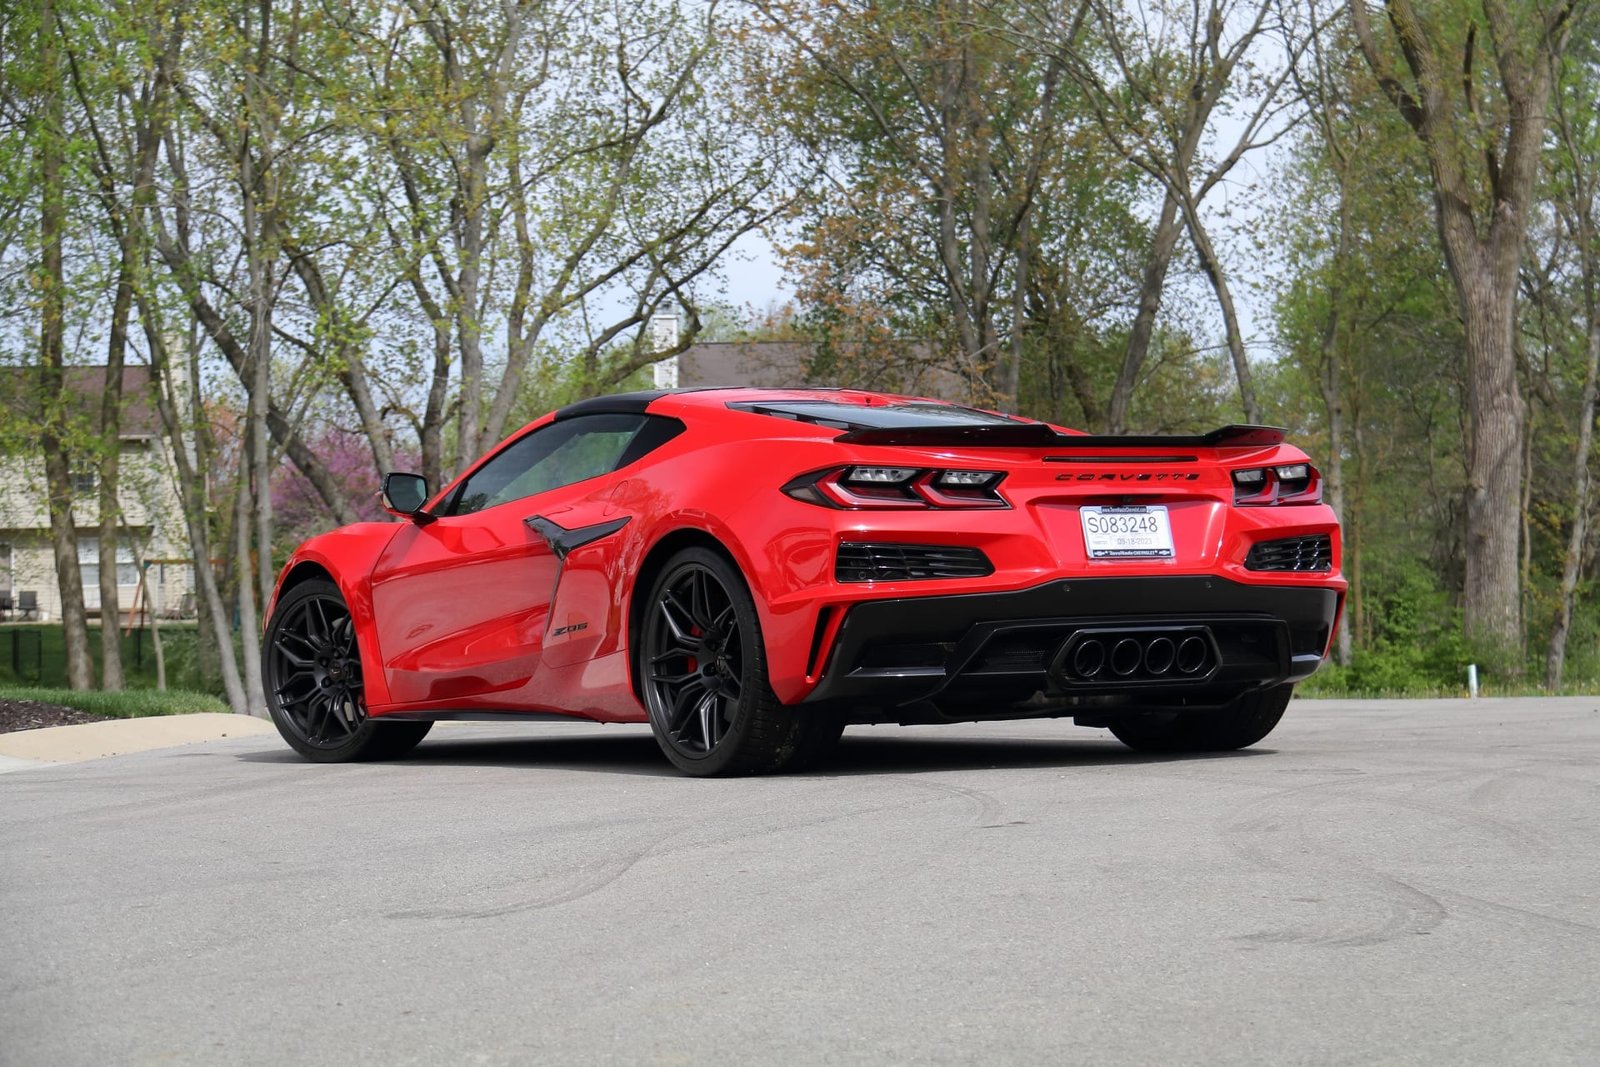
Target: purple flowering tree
(298,510)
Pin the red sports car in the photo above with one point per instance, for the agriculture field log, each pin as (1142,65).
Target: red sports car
(750,570)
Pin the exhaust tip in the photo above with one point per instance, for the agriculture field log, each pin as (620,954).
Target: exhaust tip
(1088,659)
(1191,654)
(1126,656)
(1158,656)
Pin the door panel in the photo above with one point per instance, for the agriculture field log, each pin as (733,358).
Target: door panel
(462,603)
(461,606)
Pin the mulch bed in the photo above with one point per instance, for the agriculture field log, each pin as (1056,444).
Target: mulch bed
(31,715)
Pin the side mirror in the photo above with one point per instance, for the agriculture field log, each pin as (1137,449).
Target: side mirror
(404,495)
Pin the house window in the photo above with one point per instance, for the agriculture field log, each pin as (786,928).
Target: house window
(5,568)
(84,482)
(89,563)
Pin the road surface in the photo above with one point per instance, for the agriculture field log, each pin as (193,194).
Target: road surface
(1378,882)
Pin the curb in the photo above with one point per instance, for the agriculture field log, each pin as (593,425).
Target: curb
(118,737)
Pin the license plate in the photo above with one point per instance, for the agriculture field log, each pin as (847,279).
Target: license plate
(1139,531)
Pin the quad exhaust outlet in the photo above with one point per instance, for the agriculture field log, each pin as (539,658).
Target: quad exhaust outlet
(1136,655)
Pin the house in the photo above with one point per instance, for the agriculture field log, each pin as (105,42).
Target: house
(153,533)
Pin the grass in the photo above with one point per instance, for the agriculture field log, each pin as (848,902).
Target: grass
(1325,686)
(128,704)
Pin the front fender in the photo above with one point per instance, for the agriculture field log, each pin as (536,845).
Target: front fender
(347,555)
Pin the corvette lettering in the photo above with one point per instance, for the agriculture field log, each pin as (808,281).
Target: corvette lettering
(1131,476)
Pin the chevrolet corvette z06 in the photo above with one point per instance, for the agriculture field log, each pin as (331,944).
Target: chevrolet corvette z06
(751,570)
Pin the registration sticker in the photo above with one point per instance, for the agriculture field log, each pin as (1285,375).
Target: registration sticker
(1137,531)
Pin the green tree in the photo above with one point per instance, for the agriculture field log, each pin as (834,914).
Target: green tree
(121,60)
(957,164)
(1574,195)
(1479,114)
(1159,80)
(39,181)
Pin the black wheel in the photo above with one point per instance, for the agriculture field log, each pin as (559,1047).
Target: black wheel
(1238,725)
(703,672)
(312,673)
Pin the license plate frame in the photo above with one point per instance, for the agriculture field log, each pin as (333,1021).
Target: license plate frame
(1126,531)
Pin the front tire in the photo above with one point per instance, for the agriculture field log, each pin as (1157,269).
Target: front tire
(1251,717)
(311,667)
(703,672)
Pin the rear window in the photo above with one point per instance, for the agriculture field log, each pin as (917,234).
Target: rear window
(897,416)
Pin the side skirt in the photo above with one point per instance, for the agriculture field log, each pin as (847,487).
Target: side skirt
(484,716)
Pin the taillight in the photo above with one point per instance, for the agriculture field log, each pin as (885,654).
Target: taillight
(1290,483)
(858,487)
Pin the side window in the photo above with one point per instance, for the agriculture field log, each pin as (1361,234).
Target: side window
(561,453)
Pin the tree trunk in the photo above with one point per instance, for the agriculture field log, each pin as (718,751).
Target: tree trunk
(1212,266)
(155,627)
(980,282)
(1577,537)
(1333,398)
(1490,600)
(431,432)
(1162,246)
(261,481)
(69,578)
(1333,473)
(250,641)
(258,185)
(258,484)
(469,325)
(952,179)
(1355,602)
(191,490)
(1009,381)
(52,404)
(110,466)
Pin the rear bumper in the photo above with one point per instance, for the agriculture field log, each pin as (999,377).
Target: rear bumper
(980,654)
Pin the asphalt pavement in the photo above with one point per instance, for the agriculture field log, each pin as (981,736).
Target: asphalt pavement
(1378,882)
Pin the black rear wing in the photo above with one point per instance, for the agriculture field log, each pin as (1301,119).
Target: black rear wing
(1039,435)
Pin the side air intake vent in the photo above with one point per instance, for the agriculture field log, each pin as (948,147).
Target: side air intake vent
(865,561)
(1313,553)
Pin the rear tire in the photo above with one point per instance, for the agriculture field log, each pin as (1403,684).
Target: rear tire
(312,673)
(1240,724)
(703,672)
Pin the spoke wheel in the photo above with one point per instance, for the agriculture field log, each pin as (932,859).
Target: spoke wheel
(315,671)
(702,672)
(312,669)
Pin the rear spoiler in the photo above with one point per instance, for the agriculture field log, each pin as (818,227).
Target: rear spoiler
(1039,435)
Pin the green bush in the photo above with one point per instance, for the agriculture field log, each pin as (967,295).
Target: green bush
(1416,647)
(34,654)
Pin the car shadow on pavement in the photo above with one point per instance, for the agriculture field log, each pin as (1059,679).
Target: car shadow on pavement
(631,753)
(636,753)
(894,755)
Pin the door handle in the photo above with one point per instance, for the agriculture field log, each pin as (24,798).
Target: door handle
(562,540)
